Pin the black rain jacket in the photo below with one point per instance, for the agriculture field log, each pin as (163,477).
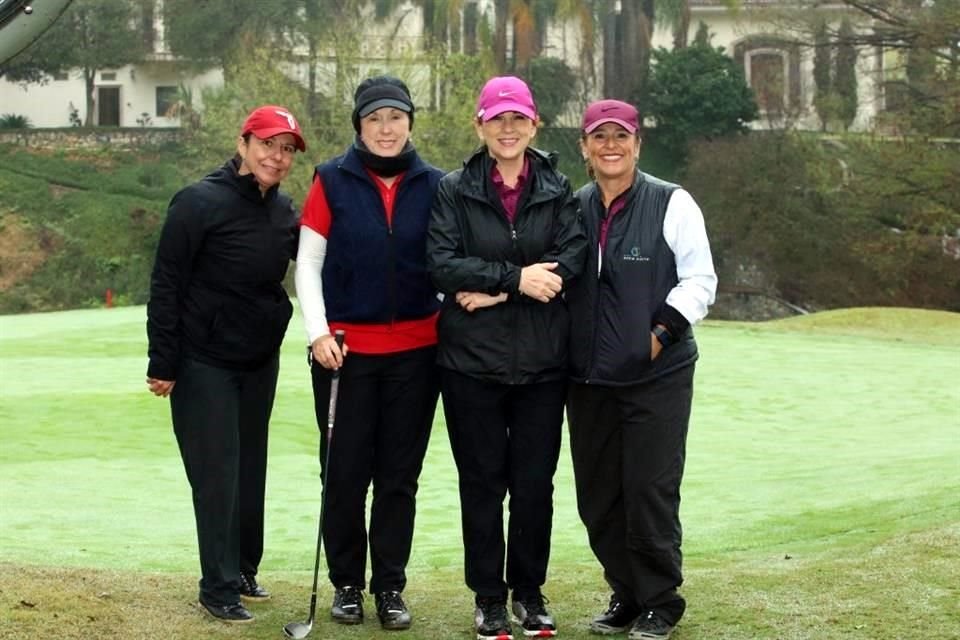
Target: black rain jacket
(216,292)
(472,246)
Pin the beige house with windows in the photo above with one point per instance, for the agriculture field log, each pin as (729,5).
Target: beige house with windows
(780,73)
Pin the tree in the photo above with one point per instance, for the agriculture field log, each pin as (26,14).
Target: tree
(209,33)
(823,74)
(553,84)
(845,75)
(697,92)
(923,34)
(91,35)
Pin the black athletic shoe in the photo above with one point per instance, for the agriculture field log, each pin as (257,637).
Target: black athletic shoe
(531,614)
(650,626)
(232,613)
(392,611)
(250,590)
(618,617)
(490,619)
(347,605)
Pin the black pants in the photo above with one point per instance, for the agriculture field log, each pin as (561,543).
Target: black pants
(629,446)
(220,418)
(385,410)
(505,438)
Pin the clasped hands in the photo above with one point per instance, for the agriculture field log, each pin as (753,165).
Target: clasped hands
(537,281)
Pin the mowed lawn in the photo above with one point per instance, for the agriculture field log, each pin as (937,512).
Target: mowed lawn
(821,497)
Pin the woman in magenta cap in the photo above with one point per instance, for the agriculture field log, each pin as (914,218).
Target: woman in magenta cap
(504,243)
(362,269)
(215,320)
(633,352)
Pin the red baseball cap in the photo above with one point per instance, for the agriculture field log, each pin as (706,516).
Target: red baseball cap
(270,120)
(603,111)
(505,93)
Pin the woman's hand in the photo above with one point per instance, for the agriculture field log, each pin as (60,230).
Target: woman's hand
(538,281)
(160,388)
(327,353)
(655,346)
(473,300)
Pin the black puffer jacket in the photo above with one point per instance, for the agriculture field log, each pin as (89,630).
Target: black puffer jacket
(472,246)
(215,291)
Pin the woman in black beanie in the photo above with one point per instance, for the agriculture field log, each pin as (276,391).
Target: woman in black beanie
(361,269)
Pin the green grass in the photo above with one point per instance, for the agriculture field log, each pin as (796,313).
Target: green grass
(821,497)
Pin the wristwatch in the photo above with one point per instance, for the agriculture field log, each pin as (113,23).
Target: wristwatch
(663,336)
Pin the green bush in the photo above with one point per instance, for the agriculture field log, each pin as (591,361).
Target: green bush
(697,92)
(827,225)
(14,121)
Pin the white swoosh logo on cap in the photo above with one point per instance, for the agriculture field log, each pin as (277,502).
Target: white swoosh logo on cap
(504,94)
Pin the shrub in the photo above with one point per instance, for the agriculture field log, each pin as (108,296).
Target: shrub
(14,121)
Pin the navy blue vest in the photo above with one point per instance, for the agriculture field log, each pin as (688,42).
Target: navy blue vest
(374,272)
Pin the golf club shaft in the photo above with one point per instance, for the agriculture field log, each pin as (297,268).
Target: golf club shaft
(331,418)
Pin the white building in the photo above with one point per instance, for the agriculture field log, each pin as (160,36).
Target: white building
(141,95)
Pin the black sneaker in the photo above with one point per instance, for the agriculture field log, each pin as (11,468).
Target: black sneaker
(233,613)
(250,590)
(490,619)
(650,626)
(618,617)
(392,611)
(531,614)
(347,605)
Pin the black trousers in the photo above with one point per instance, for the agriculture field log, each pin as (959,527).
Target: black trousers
(220,418)
(385,410)
(505,438)
(628,446)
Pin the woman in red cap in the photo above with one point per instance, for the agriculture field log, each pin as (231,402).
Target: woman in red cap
(504,243)
(632,352)
(362,269)
(215,320)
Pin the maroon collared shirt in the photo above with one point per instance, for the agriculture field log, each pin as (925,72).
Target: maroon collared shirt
(510,196)
(615,207)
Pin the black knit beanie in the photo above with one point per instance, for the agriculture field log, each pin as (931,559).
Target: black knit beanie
(378,92)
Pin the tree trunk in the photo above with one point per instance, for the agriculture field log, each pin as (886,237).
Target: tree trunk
(524,38)
(682,28)
(89,75)
(502,14)
(612,56)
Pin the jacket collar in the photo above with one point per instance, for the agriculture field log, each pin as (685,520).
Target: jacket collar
(544,181)
(350,162)
(245,185)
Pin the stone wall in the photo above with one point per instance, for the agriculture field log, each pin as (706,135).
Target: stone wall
(85,138)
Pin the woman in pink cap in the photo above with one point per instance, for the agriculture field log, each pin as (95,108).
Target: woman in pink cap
(504,243)
(632,352)
(215,320)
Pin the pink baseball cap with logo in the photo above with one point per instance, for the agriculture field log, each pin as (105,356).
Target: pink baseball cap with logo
(505,93)
(603,111)
(270,120)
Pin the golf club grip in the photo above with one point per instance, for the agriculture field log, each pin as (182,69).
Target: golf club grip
(338,335)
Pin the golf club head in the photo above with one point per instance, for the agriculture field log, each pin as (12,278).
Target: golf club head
(298,630)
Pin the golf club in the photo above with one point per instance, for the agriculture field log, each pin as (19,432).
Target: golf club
(300,630)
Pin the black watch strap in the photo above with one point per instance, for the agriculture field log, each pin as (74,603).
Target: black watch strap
(663,336)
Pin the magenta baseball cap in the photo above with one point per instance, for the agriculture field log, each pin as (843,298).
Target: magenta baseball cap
(603,111)
(505,93)
(270,120)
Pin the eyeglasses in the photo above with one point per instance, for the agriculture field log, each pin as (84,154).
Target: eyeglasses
(287,149)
